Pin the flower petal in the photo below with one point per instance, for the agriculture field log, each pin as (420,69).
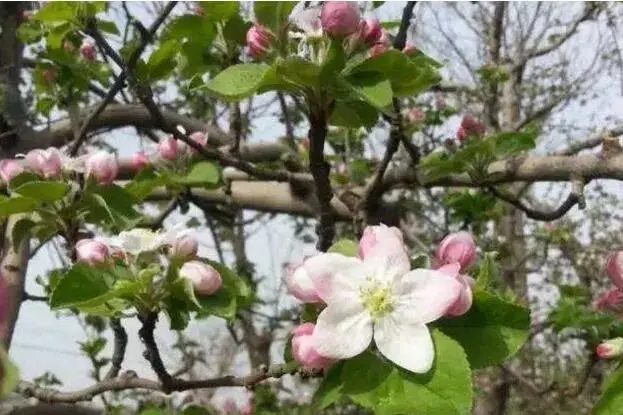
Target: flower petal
(333,272)
(410,346)
(342,331)
(425,295)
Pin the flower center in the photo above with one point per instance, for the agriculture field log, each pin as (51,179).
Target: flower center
(378,300)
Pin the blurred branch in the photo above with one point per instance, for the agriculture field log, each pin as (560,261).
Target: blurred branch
(121,342)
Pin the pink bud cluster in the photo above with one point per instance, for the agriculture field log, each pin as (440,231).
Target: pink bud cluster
(171,149)
(205,279)
(307,282)
(87,50)
(49,164)
(470,127)
(611,300)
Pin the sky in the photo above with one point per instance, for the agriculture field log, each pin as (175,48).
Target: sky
(45,342)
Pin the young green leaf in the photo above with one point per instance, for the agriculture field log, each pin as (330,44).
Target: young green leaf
(345,247)
(43,191)
(17,204)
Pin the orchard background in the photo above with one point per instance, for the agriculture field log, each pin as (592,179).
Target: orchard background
(271,132)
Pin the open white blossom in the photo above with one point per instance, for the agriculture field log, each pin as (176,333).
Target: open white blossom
(140,240)
(379,297)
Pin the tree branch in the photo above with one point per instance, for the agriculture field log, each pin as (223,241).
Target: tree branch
(121,342)
(129,380)
(151,353)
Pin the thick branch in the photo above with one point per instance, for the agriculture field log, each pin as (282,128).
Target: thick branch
(151,353)
(121,342)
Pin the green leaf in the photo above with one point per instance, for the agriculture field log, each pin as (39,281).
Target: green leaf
(345,247)
(233,294)
(182,289)
(21,231)
(373,89)
(202,173)
(488,271)
(22,178)
(44,191)
(10,374)
(112,202)
(299,71)
(407,76)
(219,10)
(17,204)
(108,26)
(501,326)
(508,144)
(162,61)
(330,389)
(195,410)
(56,11)
(611,400)
(144,183)
(80,284)
(273,14)
(374,383)
(354,114)
(239,81)
(420,260)
(189,26)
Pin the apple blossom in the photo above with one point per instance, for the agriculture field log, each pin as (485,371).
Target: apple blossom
(340,18)
(197,137)
(9,169)
(87,50)
(610,300)
(610,348)
(409,49)
(416,115)
(185,247)
(168,148)
(300,284)
(139,240)
(380,46)
(206,280)
(247,408)
(379,297)
(47,163)
(92,251)
(388,239)
(614,268)
(303,350)
(103,166)
(464,302)
(259,40)
(456,247)
(139,160)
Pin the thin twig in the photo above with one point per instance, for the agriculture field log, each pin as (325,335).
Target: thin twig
(129,380)
(151,352)
(120,82)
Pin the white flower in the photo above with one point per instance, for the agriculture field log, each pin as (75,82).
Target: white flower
(140,240)
(378,297)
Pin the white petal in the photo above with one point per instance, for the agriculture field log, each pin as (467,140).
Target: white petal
(424,295)
(408,345)
(342,331)
(334,274)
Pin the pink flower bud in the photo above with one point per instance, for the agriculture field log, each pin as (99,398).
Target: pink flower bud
(610,300)
(259,40)
(610,348)
(300,285)
(456,247)
(68,46)
(185,247)
(9,169)
(614,268)
(168,148)
(87,50)
(103,166)
(409,49)
(206,280)
(380,46)
(340,18)
(383,238)
(416,115)
(303,350)
(197,137)
(470,126)
(49,75)
(46,163)
(247,408)
(229,406)
(371,31)
(139,160)
(92,251)
(464,302)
